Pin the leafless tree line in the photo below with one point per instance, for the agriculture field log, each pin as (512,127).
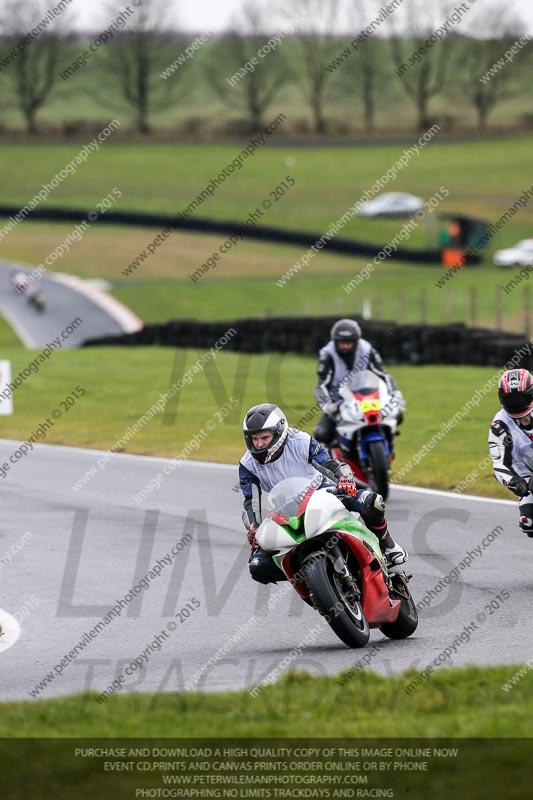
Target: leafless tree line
(312,55)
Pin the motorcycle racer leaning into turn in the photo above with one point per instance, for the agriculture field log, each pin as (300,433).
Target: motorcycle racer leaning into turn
(341,359)
(275,452)
(510,439)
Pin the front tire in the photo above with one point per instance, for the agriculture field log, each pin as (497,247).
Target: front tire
(347,620)
(379,468)
(407,621)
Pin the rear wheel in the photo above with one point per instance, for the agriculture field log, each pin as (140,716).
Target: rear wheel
(379,468)
(407,621)
(344,612)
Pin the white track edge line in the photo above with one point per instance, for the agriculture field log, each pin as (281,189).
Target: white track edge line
(17,327)
(233,468)
(11,628)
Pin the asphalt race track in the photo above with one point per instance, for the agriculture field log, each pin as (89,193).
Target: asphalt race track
(64,303)
(66,557)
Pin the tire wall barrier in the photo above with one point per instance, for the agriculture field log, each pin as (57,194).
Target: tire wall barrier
(398,344)
(202,225)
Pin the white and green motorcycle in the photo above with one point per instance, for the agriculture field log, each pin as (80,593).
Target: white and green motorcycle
(335,563)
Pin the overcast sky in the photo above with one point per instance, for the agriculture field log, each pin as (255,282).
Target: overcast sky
(214,15)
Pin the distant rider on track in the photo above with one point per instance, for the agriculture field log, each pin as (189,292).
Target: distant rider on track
(341,359)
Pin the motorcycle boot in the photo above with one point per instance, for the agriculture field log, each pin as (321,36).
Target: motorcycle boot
(262,567)
(393,552)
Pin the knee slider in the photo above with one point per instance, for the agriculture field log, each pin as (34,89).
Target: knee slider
(379,503)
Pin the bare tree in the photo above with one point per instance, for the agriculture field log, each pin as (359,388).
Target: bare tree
(318,47)
(30,55)
(486,78)
(421,58)
(243,79)
(367,71)
(137,64)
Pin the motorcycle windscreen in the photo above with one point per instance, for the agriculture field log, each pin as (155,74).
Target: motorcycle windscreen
(287,496)
(284,507)
(365,382)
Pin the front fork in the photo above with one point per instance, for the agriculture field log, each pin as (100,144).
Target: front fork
(357,448)
(347,581)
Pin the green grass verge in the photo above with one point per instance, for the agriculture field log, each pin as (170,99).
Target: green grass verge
(166,178)
(466,702)
(456,704)
(122,384)
(8,337)
(393,293)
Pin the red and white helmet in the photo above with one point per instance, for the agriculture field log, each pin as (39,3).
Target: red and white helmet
(515,391)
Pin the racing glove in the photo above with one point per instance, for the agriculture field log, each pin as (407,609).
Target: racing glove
(331,410)
(520,486)
(250,535)
(346,486)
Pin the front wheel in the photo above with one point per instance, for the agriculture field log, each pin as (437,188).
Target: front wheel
(379,468)
(344,613)
(407,621)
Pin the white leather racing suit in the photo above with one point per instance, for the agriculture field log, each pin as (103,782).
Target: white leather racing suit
(509,444)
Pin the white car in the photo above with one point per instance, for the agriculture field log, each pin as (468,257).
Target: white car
(521,255)
(392,204)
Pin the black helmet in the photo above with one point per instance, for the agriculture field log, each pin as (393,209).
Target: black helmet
(515,391)
(266,417)
(346,330)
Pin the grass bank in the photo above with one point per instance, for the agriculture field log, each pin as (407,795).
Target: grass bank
(122,384)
